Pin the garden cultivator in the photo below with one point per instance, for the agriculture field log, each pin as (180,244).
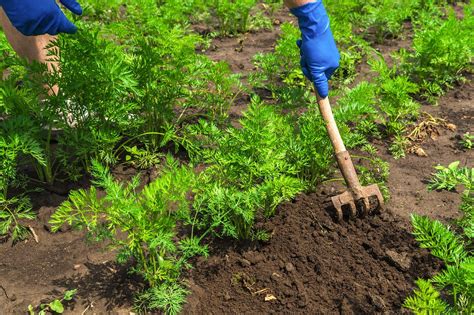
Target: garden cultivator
(358,198)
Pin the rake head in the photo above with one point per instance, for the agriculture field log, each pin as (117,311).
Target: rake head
(359,201)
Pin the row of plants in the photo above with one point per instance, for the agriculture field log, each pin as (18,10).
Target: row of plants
(219,17)
(112,95)
(400,83)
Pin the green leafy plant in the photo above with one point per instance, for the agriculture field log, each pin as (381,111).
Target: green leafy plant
(13,212)
(426,300)
(347,17)
(453,247)
(397,106)
(116,83)
(467,221)
(249,170)
(457,278)
(142,158)
(92,118)
(222,17)
(214,90)
(451,176)
(385,18)
(16,142)
(90,109)
(467,141)
(268,159)
(103,10)
(54,307)
(439,59)
(233,16)
(148,218)
(279,71)
(168,297)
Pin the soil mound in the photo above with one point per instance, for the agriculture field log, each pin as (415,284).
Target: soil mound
(312,265)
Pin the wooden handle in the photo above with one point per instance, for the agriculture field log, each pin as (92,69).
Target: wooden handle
(331,126)
(342,156)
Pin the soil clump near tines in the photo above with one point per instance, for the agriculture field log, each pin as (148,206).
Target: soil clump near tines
(313,265)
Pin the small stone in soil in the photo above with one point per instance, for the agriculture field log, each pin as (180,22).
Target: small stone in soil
(276,276)
(244,262)
(289,267)
(377,301)
(399,260)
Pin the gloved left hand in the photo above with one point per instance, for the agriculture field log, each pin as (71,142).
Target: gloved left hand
(37,17)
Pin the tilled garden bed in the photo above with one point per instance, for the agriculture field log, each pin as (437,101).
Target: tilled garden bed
(313,265)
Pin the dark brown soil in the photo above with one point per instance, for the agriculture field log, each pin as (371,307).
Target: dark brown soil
(238,51)
(32,273)
(313,265)
(409,176)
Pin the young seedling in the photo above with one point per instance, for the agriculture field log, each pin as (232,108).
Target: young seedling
(467,141)
(451,176)
(54,307)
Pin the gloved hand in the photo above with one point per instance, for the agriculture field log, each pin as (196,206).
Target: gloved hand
(37,17)
(319,54)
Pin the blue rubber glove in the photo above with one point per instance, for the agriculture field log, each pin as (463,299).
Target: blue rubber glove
(37,17)
(319,54)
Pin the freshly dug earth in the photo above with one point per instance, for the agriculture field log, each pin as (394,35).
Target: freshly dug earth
(313,265)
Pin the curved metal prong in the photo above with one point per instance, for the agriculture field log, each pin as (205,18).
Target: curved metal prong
(348,198)
(373,190)
(353,208)
(365,209)
(336,202)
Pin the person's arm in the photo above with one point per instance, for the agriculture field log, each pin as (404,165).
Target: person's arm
(38,17)
(319,54)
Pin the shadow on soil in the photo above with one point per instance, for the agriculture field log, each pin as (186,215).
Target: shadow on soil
(107,281)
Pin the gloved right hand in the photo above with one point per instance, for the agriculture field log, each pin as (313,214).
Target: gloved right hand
(37,17)
(319,54)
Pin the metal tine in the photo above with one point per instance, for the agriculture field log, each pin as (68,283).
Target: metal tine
(339,213)
(346,198)
(353,207)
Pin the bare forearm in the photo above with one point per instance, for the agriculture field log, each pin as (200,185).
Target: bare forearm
(296,3)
